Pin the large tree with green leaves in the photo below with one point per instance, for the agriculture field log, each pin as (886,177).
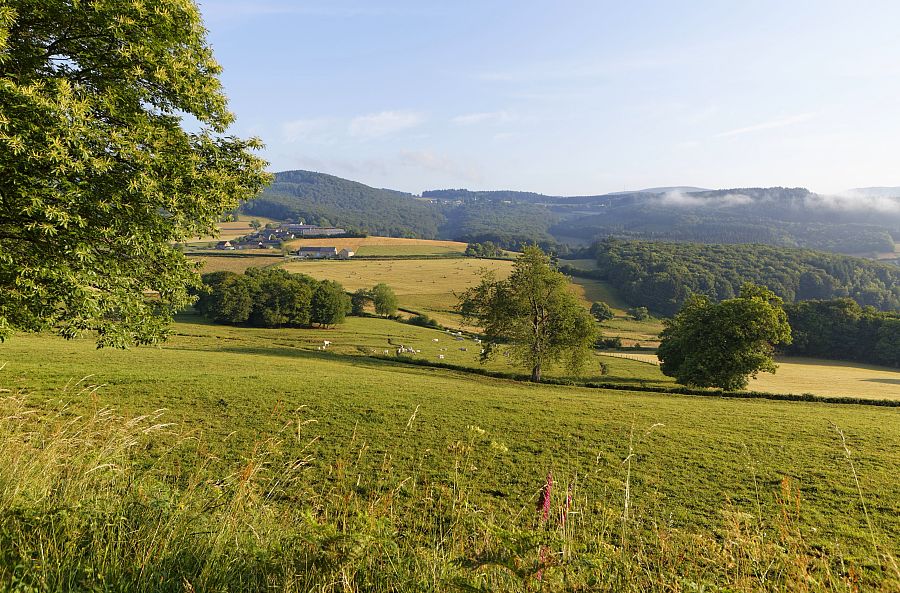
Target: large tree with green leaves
(723,344)
(99,172)
(533,315)
(384,299)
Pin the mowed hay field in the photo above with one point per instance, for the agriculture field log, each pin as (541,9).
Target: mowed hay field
(830,378)
(394,436)
(424,285)
(385,246)
(237,264)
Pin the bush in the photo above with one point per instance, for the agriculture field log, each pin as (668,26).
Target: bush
(424,321)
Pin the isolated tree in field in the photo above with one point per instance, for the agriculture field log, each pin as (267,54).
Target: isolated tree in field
(330,304)
(359,300)
(532,314)
(99,177)
(601,311)
(639,313)
(723,344)
(384,299)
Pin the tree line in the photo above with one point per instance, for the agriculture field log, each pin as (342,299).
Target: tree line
(271,298)
(841,329)
(661,276)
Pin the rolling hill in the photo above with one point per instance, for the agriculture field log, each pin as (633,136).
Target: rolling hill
(862,221)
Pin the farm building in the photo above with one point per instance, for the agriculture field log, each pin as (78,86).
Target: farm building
(311,230)
(224,245)
(317,252)
(345,254)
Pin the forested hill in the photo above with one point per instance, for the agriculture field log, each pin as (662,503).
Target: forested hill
(323,199)
(867,221)
(660,276)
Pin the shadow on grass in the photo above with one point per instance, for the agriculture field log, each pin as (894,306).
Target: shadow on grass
(888,381)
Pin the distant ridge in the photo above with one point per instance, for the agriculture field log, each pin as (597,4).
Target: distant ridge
(661,190)
(867,221)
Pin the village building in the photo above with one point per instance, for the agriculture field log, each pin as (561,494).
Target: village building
(224,245)
(317,252)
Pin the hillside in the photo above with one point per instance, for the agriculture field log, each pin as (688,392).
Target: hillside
(863,221)
(661,276)
(325,200)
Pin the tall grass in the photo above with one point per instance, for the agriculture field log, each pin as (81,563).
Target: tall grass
(102,502)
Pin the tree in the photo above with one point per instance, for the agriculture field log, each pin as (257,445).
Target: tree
(384,299)
(99,176)
(532,314)
(601,311)
(724,344)
(359,300)
(639,313)
(255,224)
(330,304)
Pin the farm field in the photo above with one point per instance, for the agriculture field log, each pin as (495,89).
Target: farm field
(238,264)
(831,378)
(423,285)
(632,331)
(694,461)
(385,246)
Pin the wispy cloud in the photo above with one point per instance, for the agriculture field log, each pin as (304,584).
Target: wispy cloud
(485,117)
(313,129)
(376,125)
(433,161)
(780,122)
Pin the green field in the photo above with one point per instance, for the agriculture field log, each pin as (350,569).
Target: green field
(395,431)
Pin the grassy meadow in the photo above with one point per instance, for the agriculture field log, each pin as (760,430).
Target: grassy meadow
(423,285)
(265,462)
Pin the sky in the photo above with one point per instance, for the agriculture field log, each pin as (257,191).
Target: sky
(566,97)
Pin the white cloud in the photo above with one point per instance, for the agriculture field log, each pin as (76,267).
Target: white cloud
(314,129)
(432,161)
(490,117)
(376,125)
(771,124)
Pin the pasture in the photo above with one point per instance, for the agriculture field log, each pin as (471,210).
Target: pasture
(385,246)
(384,438)
(424,285)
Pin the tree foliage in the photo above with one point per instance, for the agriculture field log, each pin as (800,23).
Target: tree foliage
(99,177)
(724,344)
(271,298)
(359,300)
(841,329)
(533,315)
(661,276)
(601,311)
(384,299)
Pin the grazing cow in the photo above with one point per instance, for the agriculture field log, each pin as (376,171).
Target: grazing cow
(434,340)
(464,349)
(441,356)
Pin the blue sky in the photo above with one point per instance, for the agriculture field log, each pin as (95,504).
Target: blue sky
(567,97)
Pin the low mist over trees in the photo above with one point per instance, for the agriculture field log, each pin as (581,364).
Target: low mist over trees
(532,315)
(271,298)
(724,344)
(661,276)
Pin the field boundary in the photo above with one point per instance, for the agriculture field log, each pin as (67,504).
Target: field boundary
(523,378)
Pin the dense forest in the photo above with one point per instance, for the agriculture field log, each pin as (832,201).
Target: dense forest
(841,329)
(327,200)
(660,276)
